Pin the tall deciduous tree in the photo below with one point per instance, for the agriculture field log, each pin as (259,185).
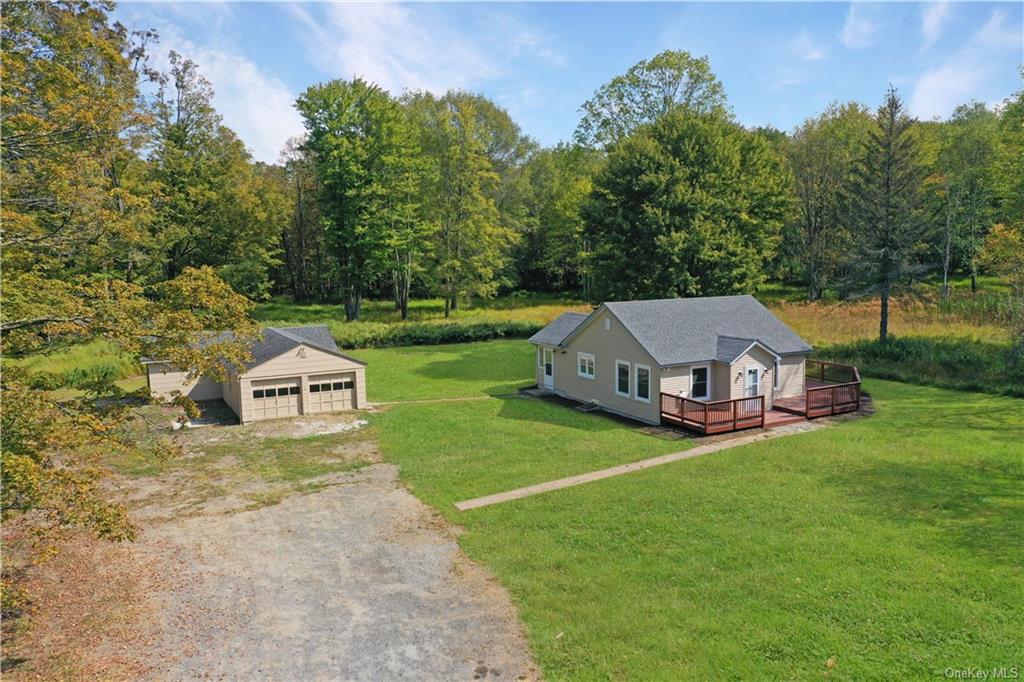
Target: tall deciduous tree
(553,255)
(1008,173)
(367,161)
(471,243)
(215,207)
(821,154)
(966,159)
(668,81)
(886,207)
(689,206)
(308,269)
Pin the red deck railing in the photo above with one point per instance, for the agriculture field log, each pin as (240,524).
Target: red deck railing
(840,392)
(716,416)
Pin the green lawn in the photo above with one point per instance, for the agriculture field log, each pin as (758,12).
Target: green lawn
(458,370)
(892,545)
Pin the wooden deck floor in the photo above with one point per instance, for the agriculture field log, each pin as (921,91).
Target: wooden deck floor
(774,418)
(797,405)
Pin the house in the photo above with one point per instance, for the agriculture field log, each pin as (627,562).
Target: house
(677,360)
(292,371)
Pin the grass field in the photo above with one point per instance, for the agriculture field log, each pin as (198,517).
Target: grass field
(448,371)
(891,546)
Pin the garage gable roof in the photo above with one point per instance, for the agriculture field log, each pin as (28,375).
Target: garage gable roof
(278,340)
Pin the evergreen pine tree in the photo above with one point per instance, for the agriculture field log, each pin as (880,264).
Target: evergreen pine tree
(885,208)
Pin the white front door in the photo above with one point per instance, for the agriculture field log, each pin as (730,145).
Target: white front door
(549,368)
(753,382)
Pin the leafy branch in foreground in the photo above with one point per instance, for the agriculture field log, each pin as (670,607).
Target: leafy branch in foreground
(53,451)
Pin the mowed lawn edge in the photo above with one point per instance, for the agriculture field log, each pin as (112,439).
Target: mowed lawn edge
(889,545)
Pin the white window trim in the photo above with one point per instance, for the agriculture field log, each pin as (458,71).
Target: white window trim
(544,362)
(593,365)
(636,382)
(615,378)
(776,370)
(706,396)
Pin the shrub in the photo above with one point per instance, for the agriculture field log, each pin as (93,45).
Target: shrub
(380,334)
(951,363)
(75,366)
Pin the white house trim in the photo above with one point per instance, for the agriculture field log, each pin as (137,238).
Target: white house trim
(629,378)
(636,382)
(589,357)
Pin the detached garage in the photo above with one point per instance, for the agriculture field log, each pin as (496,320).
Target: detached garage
(293,371)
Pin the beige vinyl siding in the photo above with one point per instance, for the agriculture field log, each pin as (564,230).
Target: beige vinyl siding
(164,379)
(538,365)
(721,381)
(299,364)
(791,376)
(755,357)
(676,380)
(231,394)
(607,346)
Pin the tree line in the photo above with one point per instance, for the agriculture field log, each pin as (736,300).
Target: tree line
(661,193)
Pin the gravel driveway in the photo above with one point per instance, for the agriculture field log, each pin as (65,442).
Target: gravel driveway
(359,581)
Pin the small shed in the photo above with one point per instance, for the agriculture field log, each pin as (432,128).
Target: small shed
(293,371)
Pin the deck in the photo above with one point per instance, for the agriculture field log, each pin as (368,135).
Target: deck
(830,388)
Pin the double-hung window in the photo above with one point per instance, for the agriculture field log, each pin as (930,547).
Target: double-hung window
(622,378)
(585,365)
(699,383)
(643,383)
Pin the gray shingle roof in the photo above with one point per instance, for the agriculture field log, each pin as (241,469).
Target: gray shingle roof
(277,340)
(677,331)
(730,348)
(561,327)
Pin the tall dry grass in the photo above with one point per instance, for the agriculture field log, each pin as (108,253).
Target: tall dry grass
(826,324)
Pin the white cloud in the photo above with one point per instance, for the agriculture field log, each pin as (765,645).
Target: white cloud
(964,75)
(253,103)
(415,47)
(788,76)
(931,23)
(805,48)
(859,28)
(996,34)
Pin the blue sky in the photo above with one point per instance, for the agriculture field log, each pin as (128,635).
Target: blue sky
(779,62)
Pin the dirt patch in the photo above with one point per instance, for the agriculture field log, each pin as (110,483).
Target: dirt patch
(268,555)
(357,581)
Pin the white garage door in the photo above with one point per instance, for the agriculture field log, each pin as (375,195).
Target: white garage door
(331,392)
(273,398)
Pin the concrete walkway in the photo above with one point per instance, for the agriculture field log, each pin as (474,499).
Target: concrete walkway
(560,483)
